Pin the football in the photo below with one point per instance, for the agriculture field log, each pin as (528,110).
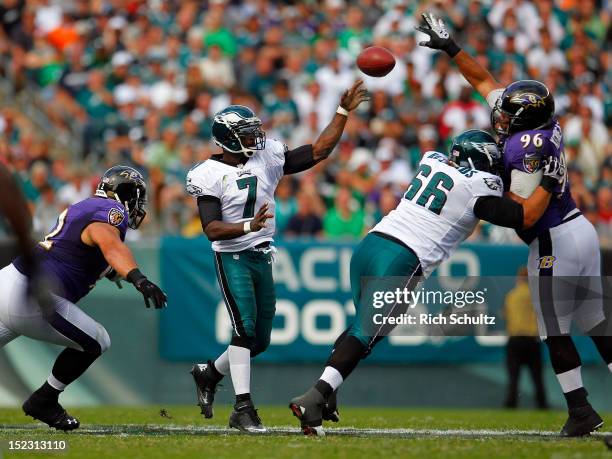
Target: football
(375,61)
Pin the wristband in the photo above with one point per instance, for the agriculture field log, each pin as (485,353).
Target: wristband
(342,111)
(549,183)
(452,49)
(135,276)
(247,227)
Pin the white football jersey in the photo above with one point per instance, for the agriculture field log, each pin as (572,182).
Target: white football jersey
(242,191)
(437,211)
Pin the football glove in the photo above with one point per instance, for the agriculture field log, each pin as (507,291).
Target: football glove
(149,290)
(439,37)
(553,173)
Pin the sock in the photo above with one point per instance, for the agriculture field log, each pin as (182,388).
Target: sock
(240,368)
(68,366)
(604,347)
(576,398)
(570,380)
(332,377)
(222,364)
(49,392)
(346,356)
(242,398)
(573,391)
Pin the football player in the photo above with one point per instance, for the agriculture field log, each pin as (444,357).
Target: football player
(85,245)
(563,242)
(235,196)
(440,209)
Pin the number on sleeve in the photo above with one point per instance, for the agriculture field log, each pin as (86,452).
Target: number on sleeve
(250,183)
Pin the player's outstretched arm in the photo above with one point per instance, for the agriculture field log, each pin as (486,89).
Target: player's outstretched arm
(439,38)
(216,229)
(118,255)
(306,156)
(523,214)
(328,139)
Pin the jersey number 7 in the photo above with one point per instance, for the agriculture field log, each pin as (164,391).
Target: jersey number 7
(249,182)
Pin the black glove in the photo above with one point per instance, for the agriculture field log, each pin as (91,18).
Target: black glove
(149,290)
(553,173)
(438,35)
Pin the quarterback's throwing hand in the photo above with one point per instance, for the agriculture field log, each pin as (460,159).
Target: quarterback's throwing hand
(353,96)
(439,38)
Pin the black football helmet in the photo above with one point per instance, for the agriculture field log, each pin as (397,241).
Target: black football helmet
(476,149)
(127,186)
(524,104)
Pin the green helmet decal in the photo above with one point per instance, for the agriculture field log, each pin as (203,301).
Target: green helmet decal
(238,130)
(476,149)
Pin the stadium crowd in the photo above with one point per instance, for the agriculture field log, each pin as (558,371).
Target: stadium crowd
(137,82)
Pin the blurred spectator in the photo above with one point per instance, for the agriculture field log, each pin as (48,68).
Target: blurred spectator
(306,221)
(345,218)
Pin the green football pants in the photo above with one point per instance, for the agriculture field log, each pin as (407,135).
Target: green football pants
(248,290)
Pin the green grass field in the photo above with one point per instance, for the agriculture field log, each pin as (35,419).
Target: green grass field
(141,432)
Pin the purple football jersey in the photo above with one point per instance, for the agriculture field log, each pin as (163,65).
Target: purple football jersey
(525,151)
(73,266)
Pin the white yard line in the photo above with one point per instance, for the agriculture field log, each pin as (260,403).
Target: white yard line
(158,429)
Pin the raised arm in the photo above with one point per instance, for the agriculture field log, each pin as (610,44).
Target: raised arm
(118,255)
(439,38)
(306,156)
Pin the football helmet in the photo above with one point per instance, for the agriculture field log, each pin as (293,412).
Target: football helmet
(478,150)
(524,104)
(126,185)
(238,130)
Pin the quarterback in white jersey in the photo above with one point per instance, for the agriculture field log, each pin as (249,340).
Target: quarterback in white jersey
(241,189)
(441,207)
(235,194)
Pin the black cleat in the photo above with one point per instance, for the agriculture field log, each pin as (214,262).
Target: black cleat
(330,409)
(308,408)
(245,418)
(205,387)
(50,412)
(581,421)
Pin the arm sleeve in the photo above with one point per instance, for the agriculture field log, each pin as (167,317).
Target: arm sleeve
(298,159)
(499,211)
(523,184)
(209,208)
